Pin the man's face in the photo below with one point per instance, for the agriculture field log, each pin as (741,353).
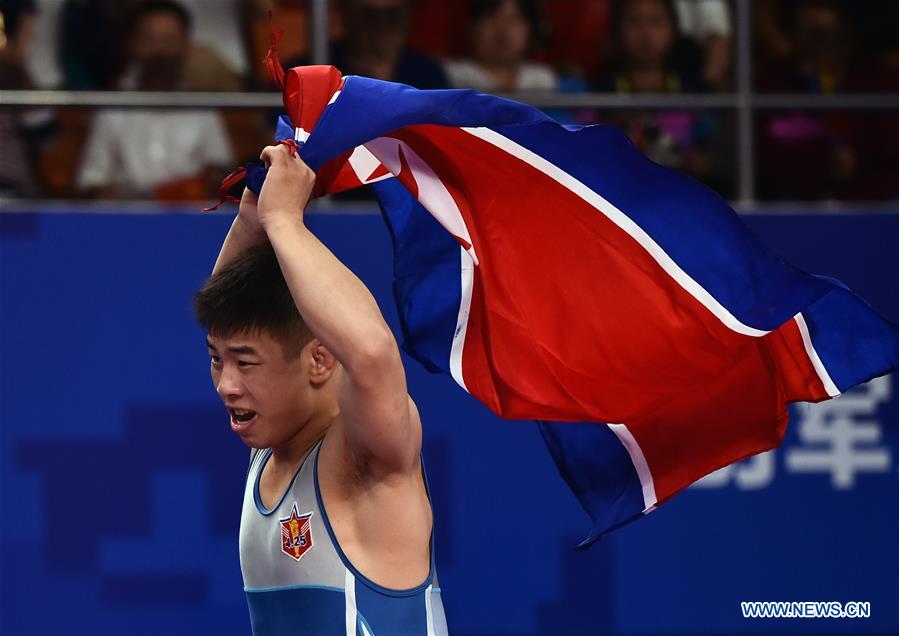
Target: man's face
(269,396)
(158,47)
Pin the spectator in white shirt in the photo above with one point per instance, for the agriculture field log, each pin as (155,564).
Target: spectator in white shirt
(707,23)
(161,153)
(501,34)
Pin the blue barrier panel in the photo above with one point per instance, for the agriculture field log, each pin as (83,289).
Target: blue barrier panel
(121,483)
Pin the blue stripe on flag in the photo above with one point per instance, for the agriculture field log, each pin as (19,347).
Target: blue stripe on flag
(427,282)
(368,108)
(285,128)
(598,469)
(853,342)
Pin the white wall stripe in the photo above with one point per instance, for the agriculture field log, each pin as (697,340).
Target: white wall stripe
(467,281)
(621,220)
(429,615)
(349,593)
(639,461)
(824,376)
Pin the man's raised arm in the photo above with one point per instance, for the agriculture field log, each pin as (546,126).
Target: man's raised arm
(245,232)
(381,423)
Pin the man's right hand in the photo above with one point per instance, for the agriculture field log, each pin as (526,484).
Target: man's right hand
(245,232)
(248,214)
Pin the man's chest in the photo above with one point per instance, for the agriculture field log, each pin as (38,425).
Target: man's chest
(284,538)
(273,485)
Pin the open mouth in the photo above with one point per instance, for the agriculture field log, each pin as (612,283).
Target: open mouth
(241,418)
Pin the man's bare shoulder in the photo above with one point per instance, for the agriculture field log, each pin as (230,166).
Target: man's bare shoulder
(354,469)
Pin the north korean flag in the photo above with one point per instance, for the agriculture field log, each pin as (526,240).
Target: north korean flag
(559,275)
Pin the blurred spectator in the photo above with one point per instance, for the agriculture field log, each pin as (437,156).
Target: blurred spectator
(169,154)
(205,70)
(644,33)
(770,40)
(220,30)
(21,131)
(707,24)
(163,57)
(43,58)
(374,45)
(829,154)
(96,63)
(825,46)
(501,33)
(820,52)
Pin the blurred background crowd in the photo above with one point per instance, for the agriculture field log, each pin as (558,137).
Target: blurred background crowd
(507,46)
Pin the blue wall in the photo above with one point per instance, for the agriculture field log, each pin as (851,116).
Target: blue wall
(121,483)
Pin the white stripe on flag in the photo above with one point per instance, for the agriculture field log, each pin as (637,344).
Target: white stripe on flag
(823,375)
(363,163)
(620,219)
(434,196)
(639,461)
(467,271)
(432,193)
(349,593)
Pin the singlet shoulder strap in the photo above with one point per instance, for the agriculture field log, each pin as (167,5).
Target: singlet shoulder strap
(254,460)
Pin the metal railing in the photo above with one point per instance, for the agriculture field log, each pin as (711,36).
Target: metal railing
(743,101)
(225,100)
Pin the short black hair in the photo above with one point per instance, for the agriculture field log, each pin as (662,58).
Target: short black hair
(153,7)
(250,295)
(530,9)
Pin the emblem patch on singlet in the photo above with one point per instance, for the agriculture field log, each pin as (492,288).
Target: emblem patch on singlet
(296,534)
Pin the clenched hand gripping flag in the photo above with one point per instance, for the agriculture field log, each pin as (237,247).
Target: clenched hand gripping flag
(558,275)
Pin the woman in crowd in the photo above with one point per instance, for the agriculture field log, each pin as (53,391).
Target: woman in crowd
(645,35)
(501,34)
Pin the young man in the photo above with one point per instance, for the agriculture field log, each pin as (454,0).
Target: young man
(336,530)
